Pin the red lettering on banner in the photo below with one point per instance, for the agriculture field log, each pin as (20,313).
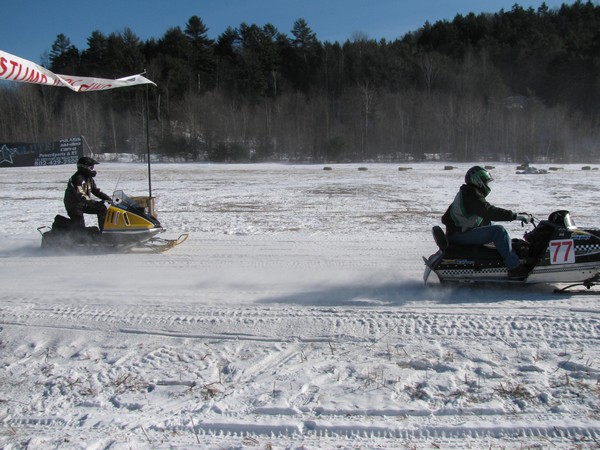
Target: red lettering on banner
(69,81)
(19,69)
(32,78)
(81,87)
(94,87)
(14,70)
(27,74)
(13,64)
(20,66)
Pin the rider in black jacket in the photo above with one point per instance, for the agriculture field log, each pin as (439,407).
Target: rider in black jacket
(469,219)
(79,190)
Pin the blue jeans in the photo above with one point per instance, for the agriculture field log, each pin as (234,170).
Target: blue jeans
(489,233)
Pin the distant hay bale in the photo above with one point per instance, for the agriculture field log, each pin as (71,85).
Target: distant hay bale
(327,168)
(489,167)
(450,167)
(555,168)
(521,167)
(586,168)
(402,169)
(363,169)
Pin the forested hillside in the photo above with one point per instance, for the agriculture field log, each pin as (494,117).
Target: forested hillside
(500,86)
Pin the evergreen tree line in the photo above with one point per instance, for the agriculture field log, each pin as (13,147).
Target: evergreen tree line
(503,86)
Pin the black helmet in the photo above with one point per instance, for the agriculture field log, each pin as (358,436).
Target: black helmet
(479,177)
(85,162)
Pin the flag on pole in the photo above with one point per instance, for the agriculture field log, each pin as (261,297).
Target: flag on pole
(22,70)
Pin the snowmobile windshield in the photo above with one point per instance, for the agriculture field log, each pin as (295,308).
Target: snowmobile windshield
(562,218)
(120,198)
(569,222)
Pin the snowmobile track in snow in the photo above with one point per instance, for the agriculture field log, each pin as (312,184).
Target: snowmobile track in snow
(328,324)
(375,352)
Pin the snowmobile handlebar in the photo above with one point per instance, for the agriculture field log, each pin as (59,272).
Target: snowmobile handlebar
(525,218)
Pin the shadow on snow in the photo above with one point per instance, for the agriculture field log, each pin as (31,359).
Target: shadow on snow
(401,293)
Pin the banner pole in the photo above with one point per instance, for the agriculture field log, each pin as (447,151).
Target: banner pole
(148,143)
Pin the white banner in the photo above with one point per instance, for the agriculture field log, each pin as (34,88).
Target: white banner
(22,70)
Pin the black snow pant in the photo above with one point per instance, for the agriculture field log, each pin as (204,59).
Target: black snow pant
(98,208)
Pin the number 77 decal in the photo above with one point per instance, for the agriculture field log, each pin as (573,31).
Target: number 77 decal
(562,251)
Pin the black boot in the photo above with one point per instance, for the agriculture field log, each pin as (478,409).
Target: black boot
(519,273)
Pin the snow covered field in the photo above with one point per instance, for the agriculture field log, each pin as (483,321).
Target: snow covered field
(293,317)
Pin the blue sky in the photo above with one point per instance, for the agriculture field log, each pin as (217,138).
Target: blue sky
(29,28)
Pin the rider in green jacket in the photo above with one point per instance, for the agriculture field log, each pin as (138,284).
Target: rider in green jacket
(469,219)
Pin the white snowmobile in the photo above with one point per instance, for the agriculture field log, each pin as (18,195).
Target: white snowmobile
(557,251)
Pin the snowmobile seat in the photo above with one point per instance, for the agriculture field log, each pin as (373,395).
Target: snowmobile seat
(474,252)
(475,257)
(440,237)
(64,223)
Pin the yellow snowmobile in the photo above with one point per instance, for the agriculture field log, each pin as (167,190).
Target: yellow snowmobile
(130,225)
